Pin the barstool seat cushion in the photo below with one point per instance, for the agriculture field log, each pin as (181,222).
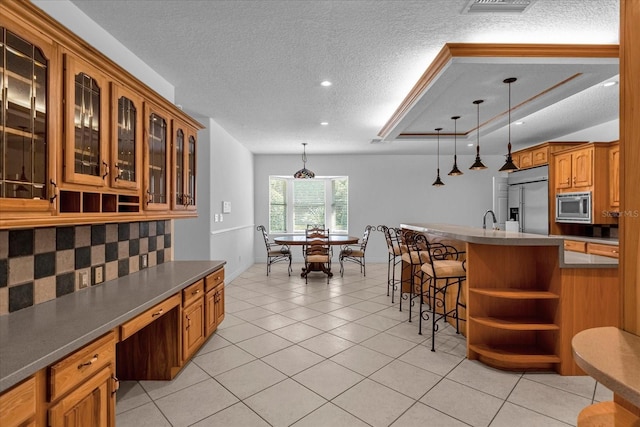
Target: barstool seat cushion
(444,269)
(395,250)
(415,257)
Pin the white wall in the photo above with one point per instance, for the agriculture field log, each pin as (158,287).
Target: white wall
(388,190)
(224,172)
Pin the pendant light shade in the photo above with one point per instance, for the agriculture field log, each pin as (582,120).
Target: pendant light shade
(304,173)
(478,165)
(438,182)
(509,165)
(455,171)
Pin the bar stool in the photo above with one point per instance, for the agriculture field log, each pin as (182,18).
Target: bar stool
(414,253)
(392,237)
(443,269)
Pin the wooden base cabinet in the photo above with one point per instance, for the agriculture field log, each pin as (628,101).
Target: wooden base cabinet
(91,404)
(82,386)
(523,309)
(214,301)
(193,319)
(18,405)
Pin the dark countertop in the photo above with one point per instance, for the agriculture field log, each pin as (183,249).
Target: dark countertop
(483,236)
(38,336)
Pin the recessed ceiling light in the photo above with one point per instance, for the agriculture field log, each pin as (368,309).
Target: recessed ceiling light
(520,122)
(612,83)
(326,83)
(469,145)
(324,123)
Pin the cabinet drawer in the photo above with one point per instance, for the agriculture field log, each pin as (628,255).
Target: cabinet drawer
(604,250)
(134,325)
(18,404)
(77,367)
(192,292)
(575,246)
(214,279)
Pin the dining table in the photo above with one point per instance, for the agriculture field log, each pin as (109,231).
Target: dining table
(301,240)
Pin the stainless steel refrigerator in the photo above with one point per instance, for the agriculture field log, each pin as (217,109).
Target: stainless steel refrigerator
(528,199)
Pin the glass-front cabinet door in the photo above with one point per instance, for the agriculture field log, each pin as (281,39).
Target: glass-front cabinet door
(86,131)
(184,155)
(25,67)
(126,125)
(156,161)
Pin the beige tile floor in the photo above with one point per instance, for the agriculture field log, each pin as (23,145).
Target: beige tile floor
(296,354)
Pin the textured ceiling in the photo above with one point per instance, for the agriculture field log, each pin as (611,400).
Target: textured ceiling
(255,67)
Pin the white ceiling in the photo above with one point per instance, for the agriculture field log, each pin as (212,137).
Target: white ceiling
(255,67)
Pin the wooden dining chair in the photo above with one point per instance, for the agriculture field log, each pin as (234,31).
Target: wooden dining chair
(317,252)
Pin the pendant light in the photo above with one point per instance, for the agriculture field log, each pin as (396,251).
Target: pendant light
(438,182)
(304,173)
(478,165)
(509,165)
(455,171)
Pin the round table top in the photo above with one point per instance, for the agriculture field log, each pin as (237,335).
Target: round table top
(301,239)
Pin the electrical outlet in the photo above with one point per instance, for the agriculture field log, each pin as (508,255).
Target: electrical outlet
(221,217)
(98,275)
(215,217)
(83,279)
(144,261)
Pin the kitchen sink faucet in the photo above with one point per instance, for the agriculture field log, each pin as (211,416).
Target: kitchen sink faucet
(495,221)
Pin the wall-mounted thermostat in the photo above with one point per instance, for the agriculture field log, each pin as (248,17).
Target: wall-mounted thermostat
(226,207)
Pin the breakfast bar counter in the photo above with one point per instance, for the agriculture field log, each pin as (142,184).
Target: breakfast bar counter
(526,298)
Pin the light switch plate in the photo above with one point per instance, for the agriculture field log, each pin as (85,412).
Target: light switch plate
(221,217)
(226,207)
(98,275)
(215,218)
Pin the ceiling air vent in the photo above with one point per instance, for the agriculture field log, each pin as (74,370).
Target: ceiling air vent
(497,6)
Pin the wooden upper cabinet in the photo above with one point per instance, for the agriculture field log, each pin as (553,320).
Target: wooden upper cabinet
(157,158)
(574,170)
(582,166)
(126,128)
(28,77)
(540,156)
(563,172)
(526,160)
(86,124)
(81,139)
(184,155)
(614,176)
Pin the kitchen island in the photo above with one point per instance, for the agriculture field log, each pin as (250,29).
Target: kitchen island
(526,298)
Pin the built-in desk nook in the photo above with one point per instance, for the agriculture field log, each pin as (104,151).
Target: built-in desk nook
(526,299)
(61,361)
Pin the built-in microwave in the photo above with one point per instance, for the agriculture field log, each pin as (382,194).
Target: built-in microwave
(573,207)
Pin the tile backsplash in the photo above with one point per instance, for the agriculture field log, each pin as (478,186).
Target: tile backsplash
(40,264)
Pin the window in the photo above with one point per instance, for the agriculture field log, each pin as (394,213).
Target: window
(295,203)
